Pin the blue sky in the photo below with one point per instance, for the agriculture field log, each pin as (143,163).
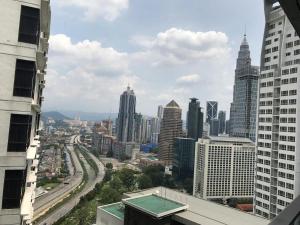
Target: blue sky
(165,49)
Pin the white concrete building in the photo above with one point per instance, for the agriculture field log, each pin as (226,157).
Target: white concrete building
(24,33)
(278,154)
(224,168)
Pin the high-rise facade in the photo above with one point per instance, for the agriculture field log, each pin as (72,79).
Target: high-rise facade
(126,116)
(224,168)
(212,117)
(194,120)
(24,34)
(211,110)
(222,122)
(278,154)
(183,158)
(171,127)
(244,105)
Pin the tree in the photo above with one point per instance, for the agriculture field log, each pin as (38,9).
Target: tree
(127,178)
(109,166)
(116,183)
(188,185)
(144,182)
(156,173)
(169,181)
(109,195)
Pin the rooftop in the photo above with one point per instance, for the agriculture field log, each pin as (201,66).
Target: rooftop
(155,205)
(229,139)
(116,209)
(202,211)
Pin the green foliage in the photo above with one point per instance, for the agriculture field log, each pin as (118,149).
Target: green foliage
(109,166)
(144,182)
(109,195)
(127,177)
(156,174)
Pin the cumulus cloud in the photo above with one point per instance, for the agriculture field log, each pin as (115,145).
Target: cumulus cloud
(87,55)
(178,46)
(189,79)
(94,9)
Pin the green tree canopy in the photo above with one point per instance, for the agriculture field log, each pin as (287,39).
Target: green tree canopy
(144,181)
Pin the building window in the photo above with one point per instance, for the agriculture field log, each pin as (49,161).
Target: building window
(24,78)
(14,183)
(19,133)
(29,25)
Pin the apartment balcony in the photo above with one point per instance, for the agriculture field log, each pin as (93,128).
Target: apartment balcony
(36,107)
(26,206)
(45,17)
(31,152)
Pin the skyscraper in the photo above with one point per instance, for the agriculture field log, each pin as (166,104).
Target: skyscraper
(222,122)
(194,120)
(243,107)
(183,158)
(160,112)
(126,116)
(211,110)
(278,153)
(25,28)
(171,128)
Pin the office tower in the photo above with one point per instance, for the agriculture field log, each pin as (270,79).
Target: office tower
(222,122)
(146,130)
(183,158)
(24,34)
(227,129)
(206,129)
(155,128)
(126,116)
(160,112)
(138,121)
(194,120)
(171,127)
(212,114)
(243,107)
(214,127)
(224,168)
(278,155)
(211,110)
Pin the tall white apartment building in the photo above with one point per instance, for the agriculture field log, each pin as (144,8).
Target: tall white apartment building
(278,155)
(224,168)
(24,33)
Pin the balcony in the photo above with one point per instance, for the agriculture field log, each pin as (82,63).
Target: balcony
(26,206)
(31,152)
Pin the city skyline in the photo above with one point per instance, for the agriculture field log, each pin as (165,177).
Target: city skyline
(142,56)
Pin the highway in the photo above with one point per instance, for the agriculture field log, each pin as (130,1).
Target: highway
(43,203)
(69,205)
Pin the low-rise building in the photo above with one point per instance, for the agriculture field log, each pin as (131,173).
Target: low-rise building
(161,205)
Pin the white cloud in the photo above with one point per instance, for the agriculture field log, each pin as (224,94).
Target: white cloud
(189,79)
(88,55)
(178,46)
(85,75)
(93,9)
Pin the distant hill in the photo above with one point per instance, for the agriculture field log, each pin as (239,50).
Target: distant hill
(54,115)
(90,116)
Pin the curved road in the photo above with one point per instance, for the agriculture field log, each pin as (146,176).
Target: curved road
(69,205)
(43,203)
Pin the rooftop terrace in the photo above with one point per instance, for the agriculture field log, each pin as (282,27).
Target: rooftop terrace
(155,205)
(116,209)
